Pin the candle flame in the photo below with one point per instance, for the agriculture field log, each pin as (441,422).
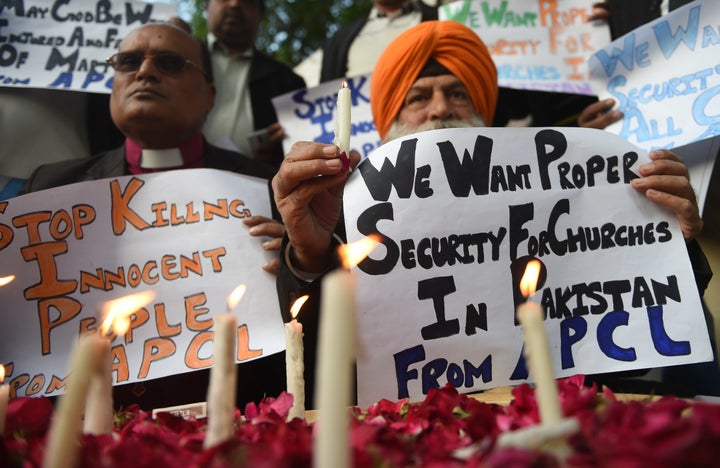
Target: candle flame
(235,296)
(117,312)
(6,279)
(297,305)
(344,84)
(355,252)
(529,279)
(2,373)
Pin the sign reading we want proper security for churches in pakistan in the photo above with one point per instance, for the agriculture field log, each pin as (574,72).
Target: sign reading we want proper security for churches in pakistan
(460,211)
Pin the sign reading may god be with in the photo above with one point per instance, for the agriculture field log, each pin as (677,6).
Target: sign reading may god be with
(460,210)
(178,234)
(63,44)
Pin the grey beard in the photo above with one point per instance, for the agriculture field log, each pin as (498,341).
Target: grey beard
(398,130)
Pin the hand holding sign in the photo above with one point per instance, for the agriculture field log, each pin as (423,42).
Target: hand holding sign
(666,182)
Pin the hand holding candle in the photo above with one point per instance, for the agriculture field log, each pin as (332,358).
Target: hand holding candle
(294,361)
(537,349)
(342,125)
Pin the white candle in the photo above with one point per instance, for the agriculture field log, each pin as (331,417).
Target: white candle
(63,440)
(223,382)
(99,402)
(342,125)
(4,397)
(335,369)
(294,361)
(539,361)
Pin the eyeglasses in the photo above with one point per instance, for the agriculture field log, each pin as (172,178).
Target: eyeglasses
(169,63)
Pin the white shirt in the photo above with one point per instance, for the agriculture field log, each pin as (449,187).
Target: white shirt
(231,118)
(378,32)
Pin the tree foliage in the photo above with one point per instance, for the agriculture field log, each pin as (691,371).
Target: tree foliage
(292,29)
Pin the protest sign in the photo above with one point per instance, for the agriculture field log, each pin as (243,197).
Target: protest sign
(178,234)
(309,114)
(63,44)
(665,78)
(460,211)
(541,45)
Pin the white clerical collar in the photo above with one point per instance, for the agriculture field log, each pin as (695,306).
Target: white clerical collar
(161,158)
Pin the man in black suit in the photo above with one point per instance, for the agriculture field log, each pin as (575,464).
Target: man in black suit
(354,48)
(246,81)
(161,94)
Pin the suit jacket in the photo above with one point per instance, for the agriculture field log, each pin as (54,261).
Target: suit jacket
(112,164)
(336,49)
(259,378)
(267,79)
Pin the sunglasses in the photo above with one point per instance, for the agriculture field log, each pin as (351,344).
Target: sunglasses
(169,63)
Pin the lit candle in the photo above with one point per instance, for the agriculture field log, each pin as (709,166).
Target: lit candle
(537,349)
(116,319)
(223,375)
(342,125)
(336,345)
(294,363)
(4,397)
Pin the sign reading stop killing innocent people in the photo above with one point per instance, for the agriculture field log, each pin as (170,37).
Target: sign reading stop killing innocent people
(460,211)
(63,44)
(178,234)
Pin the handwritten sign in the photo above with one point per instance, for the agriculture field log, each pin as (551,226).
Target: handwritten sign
(63,44)
(459,210)
(179,234)
(541,45)
(309,114)
(665,77)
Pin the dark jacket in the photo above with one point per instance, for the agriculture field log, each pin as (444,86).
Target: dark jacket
(268,78)
(112,164)
(336,49)
(260,378)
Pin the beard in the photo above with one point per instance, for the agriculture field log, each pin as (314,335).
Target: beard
(398,130)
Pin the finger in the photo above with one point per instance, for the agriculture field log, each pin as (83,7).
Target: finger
(273,266)
(667,167)
(686,211)
(311,174)
(671,184)
(273,244)
(255,220)
(271,229)
(657,155)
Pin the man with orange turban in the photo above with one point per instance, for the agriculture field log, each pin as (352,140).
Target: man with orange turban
(437,74)
(441,60)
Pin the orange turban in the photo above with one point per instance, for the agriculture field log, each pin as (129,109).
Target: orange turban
(450,43)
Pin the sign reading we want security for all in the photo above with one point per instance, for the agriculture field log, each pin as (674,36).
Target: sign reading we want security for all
(63,44)
(460,211)
(177,234)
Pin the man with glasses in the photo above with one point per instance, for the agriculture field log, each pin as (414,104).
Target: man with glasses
(161,94)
